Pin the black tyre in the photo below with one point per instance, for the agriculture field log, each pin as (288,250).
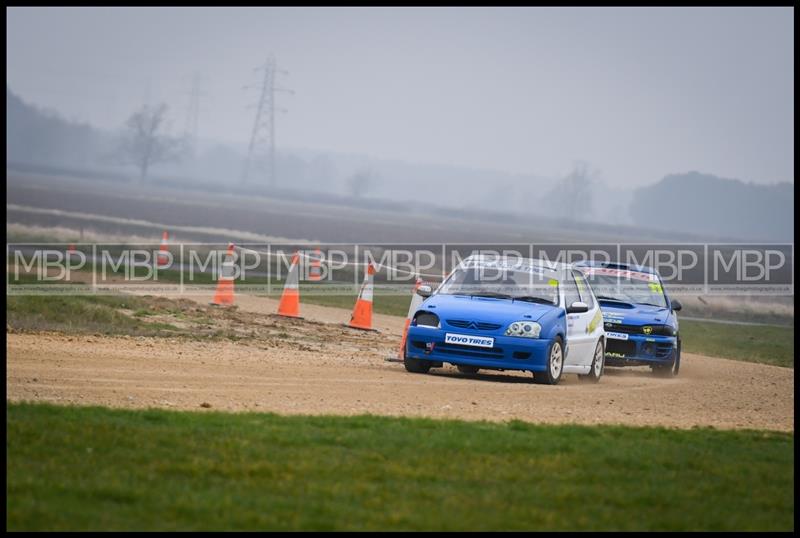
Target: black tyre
(598,364)
(671,369)
(555,364)
(416,366)
(467,369)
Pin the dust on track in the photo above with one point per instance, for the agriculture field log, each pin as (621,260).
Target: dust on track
(318,366)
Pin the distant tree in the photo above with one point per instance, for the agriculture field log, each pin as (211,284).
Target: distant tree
(360,182)
(717,208)
(40,136)
(571,197)
(144,144)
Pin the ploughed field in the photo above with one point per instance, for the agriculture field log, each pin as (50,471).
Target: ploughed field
(231,216)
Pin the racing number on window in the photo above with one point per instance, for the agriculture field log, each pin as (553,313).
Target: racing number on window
(583,289)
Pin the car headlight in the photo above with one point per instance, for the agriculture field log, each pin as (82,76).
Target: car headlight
(666,330)
(426,319)
(525,329)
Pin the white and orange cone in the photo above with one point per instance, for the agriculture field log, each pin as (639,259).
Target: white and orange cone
(362,312)
(163,252)
(224,293)
(290,298)
(315,267)
(416,300)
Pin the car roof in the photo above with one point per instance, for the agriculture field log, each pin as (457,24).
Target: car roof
(617,265)
(555,269)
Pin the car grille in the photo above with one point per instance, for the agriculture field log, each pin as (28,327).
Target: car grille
(628,348)
(625,348)
(478,325)
(657,329)
(622,328)
(469,351)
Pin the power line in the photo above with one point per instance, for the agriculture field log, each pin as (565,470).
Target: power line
(261,151)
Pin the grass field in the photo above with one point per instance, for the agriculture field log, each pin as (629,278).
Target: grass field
(83,314)
(96,468)
(765,344)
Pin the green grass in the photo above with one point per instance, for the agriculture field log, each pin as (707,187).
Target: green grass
(81,314)
(122,314)
(17,236)
(764,344)
(86,313)
(126,315)
(101,469)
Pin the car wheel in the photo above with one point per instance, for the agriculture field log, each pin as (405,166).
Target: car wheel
(467,369)
(671,369)
(598,364)
(555,365)
(416,366)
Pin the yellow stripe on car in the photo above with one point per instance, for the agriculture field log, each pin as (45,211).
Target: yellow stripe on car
(598,316)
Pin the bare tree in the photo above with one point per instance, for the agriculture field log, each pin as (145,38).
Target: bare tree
(144,144)
(359,183)
(577,191)
(571,197)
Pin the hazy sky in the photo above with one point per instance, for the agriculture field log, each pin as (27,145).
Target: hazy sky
(638,93)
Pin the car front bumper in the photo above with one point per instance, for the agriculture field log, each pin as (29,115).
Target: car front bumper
(639,349)
(507,353)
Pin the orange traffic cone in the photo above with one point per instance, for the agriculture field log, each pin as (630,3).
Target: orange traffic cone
(290,299)
(163,256)
(315,267)
(224,294)
(362,312)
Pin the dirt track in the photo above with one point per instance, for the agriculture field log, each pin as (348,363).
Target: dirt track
(318,366)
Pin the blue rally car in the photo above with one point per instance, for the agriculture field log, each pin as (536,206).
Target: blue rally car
(639,317)
(501,313)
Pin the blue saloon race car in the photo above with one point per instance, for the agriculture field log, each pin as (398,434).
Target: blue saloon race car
(499,313)
(640,318)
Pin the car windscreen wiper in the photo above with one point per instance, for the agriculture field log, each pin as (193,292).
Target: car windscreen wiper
(491,294)
(533,299)
(607,298)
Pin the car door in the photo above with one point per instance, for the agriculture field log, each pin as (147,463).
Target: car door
(578,337)
(581,326)
(594,325)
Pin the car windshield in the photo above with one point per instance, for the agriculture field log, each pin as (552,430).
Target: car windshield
(502,283)
(626,286)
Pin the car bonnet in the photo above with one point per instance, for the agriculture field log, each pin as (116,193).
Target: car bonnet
(484,308)
(638,315)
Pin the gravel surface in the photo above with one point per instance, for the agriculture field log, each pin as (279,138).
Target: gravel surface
(319,366)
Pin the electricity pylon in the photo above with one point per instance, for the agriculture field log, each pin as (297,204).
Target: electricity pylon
(261,151)
(192,114)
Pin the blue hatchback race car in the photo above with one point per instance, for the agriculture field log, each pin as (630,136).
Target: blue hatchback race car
(502,313)
(640,318)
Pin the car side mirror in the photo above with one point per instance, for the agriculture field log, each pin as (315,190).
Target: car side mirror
(676,305)
(577,307)
(424,290)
